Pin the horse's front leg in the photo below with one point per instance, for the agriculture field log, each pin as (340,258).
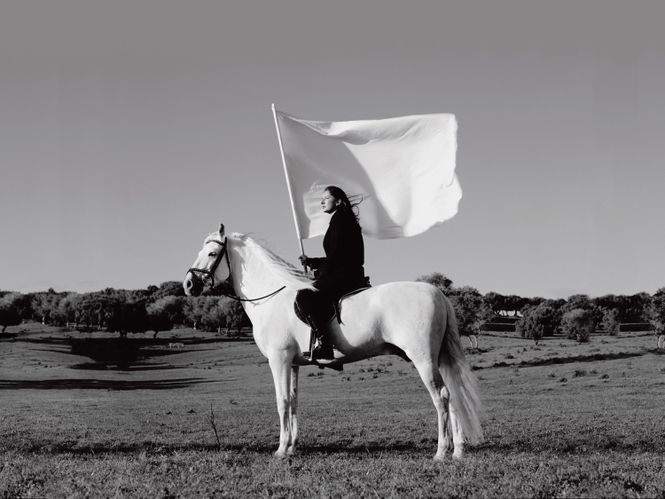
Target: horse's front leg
(280,365)
(293,416)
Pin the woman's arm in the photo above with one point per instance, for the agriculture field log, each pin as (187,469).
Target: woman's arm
(315,263)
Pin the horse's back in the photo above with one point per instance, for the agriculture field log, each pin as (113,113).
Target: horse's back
(402,292)
(395,308)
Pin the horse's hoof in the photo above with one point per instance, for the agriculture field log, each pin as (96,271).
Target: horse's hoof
(290,452)
(279,454)
(439,458)
(457,456)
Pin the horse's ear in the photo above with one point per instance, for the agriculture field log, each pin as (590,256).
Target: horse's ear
(221,229)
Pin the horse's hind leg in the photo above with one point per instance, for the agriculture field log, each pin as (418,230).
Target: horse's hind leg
(293,416)
(431,376)
(458,436)
(280,366)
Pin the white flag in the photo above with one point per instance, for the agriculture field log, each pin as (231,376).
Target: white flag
(403,170)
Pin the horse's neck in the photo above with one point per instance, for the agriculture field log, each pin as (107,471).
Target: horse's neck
(250,275)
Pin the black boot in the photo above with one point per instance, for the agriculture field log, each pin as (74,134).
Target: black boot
(323,349)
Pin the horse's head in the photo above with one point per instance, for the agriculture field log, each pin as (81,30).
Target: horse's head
(206,269)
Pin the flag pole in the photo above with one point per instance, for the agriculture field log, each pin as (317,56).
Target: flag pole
(288,184)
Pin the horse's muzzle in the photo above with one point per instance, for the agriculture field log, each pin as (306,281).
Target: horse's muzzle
(193,285)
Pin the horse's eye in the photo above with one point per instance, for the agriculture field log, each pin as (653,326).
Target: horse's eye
(212,254)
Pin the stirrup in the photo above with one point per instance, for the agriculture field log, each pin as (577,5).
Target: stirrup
(312,341)
(319,349)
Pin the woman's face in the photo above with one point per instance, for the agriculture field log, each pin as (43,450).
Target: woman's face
(328,202)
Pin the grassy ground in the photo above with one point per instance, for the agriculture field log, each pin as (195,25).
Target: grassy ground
(560,419)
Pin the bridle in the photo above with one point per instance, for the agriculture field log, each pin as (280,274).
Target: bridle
(210,273)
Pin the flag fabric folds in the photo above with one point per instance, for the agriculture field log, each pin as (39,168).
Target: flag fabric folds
(401,169)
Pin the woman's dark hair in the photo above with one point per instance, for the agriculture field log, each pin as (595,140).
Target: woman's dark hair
(346,205)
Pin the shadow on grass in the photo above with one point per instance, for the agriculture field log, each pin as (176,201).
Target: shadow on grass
(125,354)
(343,448)
(75,448)
(569,360)
(570,446)
(116,448)
(98,384)
(101,366)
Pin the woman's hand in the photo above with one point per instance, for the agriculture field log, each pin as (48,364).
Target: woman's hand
(303,260)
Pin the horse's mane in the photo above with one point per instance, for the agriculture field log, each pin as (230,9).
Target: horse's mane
(281,269)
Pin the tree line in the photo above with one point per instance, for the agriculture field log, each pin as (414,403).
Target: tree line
(577,316)
(156,308)
(160,308)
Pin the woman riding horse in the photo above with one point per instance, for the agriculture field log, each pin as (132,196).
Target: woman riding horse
(340,272)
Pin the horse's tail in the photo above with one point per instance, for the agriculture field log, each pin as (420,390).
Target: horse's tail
(459,380)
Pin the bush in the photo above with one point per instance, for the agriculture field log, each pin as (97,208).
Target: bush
(9,316)
(657,312)
(578,324)
(13,306)
(470,308)
(127,317)
(537,322)
(610,321)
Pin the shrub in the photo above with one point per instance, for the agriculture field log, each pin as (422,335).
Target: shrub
(578,324)
(657,312)
(13,306)
(610,321)
(471,311)
(537,322)
(9,316)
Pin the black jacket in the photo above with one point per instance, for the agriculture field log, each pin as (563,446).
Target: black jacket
(344,248)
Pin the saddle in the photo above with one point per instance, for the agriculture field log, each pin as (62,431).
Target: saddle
(338,304)
(334,310)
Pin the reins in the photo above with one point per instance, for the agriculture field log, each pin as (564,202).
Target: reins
(210,274)
(237,298)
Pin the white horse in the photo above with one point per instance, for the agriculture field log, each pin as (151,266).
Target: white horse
(411,319)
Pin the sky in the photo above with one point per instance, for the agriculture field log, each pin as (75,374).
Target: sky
(130,129)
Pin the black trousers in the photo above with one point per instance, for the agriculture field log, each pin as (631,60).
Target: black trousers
(318,306)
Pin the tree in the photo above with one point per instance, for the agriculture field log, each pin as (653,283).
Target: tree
(638,308)
(439,280)
(608,302)
(45,305)
(578,324)
(92,308)
(469,307)
(235,316)
(14,307)
(514,304)
(127,317)
(214,313)
(193,310)
(537,322)
(10,311)
(22,302)
(168,288)
(557,307)
(66,311)
(657,312)
(157,321)
(577,301)
(495,302)
(172,307)
(610,321)
(583,302)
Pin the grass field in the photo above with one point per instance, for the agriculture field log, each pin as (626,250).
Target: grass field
(560,419)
